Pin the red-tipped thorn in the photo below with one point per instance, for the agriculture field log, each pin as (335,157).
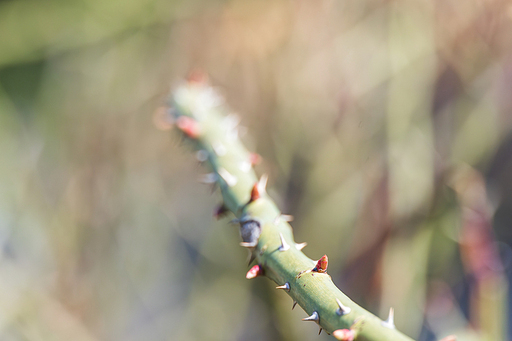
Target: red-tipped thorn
(220,211)
(255,271)
(344,334)
(188,126)
(321,265)
(285,286)
(259,188)
(255,159)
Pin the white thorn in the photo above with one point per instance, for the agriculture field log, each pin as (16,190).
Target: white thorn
(314,317)
(245,166)
(342,310)
(231,180)
(202,155)
(262,184)
(300,246)
(390,322)
(219,149)
(284,246)
(248,245)
(285,286)
(209,178)
(287,217)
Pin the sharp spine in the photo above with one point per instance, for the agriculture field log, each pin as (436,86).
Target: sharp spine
(230,180)
(285,286)
(300,246)
(314,317)
(209,178)
(342,310)
(294,304)
(390,322)
(284,246)
(248,245)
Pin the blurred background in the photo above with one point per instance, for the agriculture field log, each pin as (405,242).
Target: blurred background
(385,126)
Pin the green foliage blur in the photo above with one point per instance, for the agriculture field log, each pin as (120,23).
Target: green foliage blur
(385,126)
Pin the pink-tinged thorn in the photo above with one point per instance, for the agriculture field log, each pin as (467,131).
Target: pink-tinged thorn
(287,217)
(342,310)
(294,304)
(314,317)
(344,334)
(188,126)
(300,246)
(197,77)
(321,265)
(284,246)
(390,322)
(255,271)
(285,286)
(255,159)
(255,193)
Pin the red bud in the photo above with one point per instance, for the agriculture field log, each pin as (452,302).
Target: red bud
(255,271)
(321,265)
(189,126)
(344,334)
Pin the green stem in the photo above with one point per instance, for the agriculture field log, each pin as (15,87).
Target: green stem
(200,114)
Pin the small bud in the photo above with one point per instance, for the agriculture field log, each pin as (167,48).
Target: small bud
(255,271)
(255,159)
(188,126)
(314,317)
(220,211)
(344,334)
(285,286)
(321,265)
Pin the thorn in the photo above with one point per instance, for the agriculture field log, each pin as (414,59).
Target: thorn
(259,188)
(320,331)
(197,76)
(219,148)
(220,211)
(209,178)
(284,246)
(321,265)
(342,310)
(344,334)
(390,322)
(202,155)
(294,304)
(252,257)
(231,180)
(314,317)
(188,126)
(245,166)
(300,246)
(287,217)
(248,245)
(285,286)
(255,271)
(255,159)
(235,221)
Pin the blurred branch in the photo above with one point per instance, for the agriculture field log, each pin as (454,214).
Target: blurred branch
(198,112)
